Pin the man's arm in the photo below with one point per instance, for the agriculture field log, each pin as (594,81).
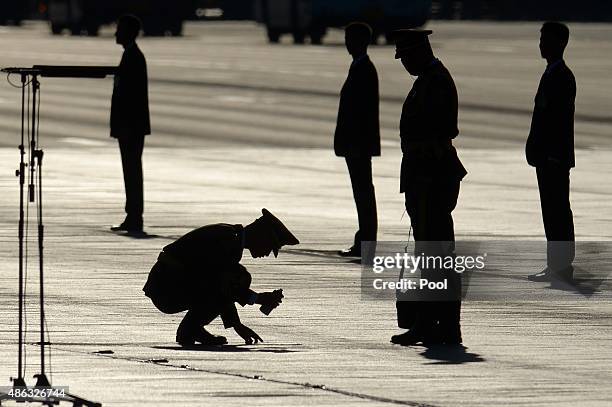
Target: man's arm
(365,114)
(560,98)
(231,320)
(134,78)
(229,315)
(441,103)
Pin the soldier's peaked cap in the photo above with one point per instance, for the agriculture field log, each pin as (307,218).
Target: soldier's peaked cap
(408,39)
(283,236)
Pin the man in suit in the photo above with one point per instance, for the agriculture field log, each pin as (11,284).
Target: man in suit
(550,149)
(357,135)
(129,120)
(431,173)
(201,273)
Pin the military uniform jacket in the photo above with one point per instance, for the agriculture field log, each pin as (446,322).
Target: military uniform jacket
(130,100)
(357,128)
(427,126)
(552,124)
(205,265)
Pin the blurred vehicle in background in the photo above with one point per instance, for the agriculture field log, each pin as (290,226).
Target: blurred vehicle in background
(518,10)
(159,17)
(12,11)
(312,18)
(224,9)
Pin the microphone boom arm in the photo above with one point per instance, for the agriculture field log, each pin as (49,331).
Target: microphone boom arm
(65,71)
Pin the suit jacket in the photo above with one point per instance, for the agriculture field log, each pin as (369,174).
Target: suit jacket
(552,123)
(357,129)
(204,265)
(130,101)
(427,126)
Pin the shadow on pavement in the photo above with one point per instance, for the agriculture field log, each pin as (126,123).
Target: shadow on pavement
(330,254)
(226,348)
(140,235)
(587,285)
(450,355)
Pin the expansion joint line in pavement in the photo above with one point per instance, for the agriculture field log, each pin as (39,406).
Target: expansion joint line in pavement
(306,385)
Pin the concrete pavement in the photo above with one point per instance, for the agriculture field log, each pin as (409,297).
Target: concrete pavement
(324,345)
(239,125)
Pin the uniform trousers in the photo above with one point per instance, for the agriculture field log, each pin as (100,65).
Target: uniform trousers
(131,147)
(554,187)
(429,204)
(360,172)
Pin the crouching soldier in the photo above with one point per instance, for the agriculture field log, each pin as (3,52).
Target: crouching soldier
(201,273)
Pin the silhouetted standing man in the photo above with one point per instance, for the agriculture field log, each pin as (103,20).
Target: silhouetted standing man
(129,119)
(430,177)
(550,148)
(357,136)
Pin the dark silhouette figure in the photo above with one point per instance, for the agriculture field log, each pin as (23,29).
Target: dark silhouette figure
(129,121)
(201,273)
(550,149)
(430,176)
(357,136)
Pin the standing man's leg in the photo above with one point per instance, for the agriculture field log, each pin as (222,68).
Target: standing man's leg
(430,207)
(448,311)
(413,313)
(360,172)
(554,187)
(131,158)
(368,219)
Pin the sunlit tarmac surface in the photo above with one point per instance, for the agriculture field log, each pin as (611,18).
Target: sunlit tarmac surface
(239,125)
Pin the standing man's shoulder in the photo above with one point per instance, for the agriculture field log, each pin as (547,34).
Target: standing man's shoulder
(443,74)
(441,83)
(368,67)
(562,82)
(134,55)
(365,76)
(566,73)
(565,69)
(138,52)
(369,63)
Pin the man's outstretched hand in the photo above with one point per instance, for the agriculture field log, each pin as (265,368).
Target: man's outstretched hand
(270,300)
(247,334)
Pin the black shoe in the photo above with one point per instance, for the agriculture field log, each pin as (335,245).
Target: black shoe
(127,227)
(412,337)
(566,275)
(350,252)
(419,333)
(541,277)
(562,278)
(119,228)
(405,339)
(452,337)
(546,275)
(187,337)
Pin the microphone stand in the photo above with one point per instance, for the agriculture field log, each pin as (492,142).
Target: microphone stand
(19,381)
(35,164)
